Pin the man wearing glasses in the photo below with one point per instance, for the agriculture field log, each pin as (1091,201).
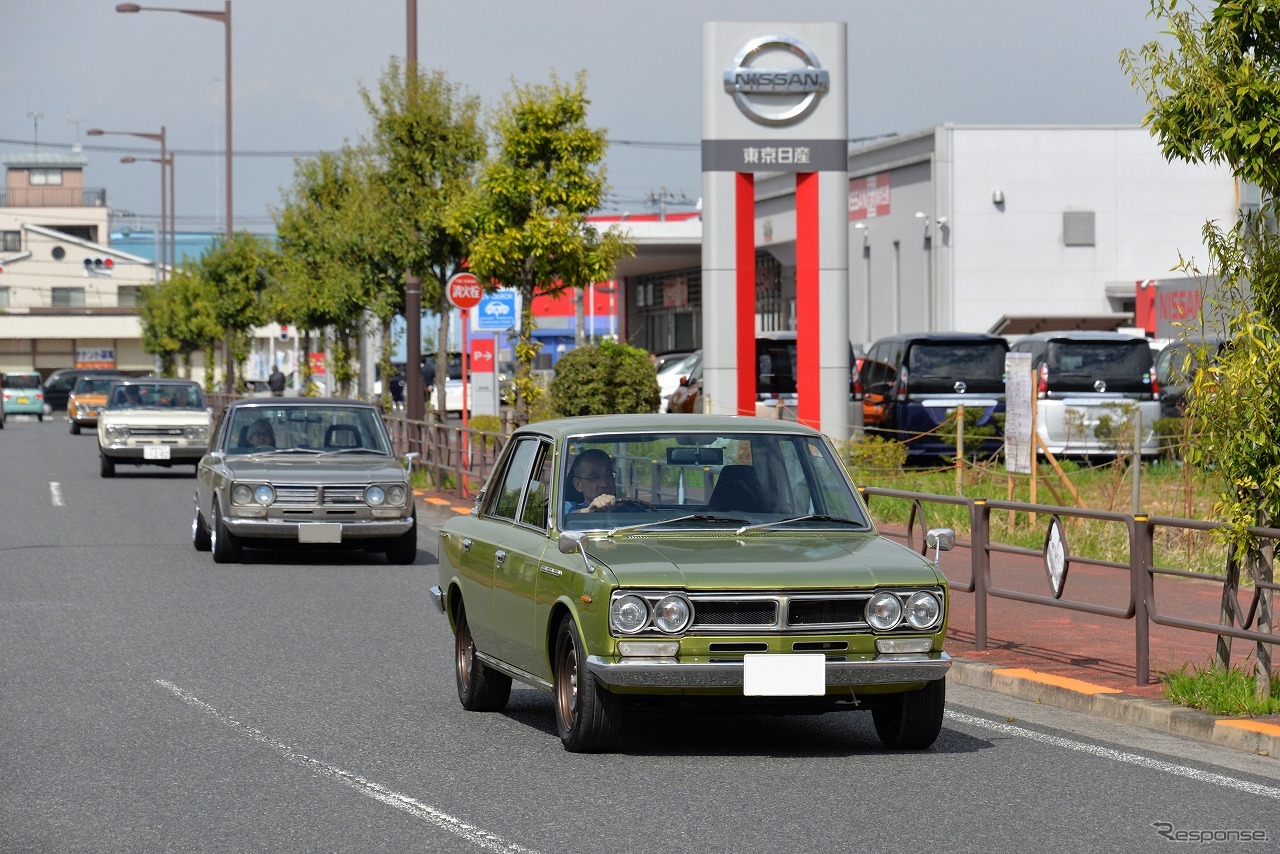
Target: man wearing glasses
(591,482)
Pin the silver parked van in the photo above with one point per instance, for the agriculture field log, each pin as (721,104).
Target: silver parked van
(1088,387)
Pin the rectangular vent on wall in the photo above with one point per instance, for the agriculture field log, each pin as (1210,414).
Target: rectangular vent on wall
(1078,228)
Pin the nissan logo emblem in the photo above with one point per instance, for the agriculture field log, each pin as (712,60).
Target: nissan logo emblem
(773,95)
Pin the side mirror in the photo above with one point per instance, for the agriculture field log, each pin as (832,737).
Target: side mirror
(940,540)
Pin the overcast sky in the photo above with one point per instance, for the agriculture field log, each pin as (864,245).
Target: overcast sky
(298,66)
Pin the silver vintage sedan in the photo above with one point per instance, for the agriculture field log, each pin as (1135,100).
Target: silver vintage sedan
(303,470)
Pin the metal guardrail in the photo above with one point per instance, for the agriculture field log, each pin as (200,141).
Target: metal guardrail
(1141,608)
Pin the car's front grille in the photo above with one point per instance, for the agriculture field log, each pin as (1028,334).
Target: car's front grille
(776,613)
(311,496)
(157,431)
(298,495)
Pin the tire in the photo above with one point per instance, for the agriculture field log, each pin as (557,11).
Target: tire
(106,468)
(75,429)
(588,718)
(200,533)
(480,687)
(39,416)
(402,550)
(224,544)
(911,720)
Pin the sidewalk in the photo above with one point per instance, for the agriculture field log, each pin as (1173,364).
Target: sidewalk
(1071,659)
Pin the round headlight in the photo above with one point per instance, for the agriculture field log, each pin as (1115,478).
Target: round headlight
(884,611)
(672,614)
(923,610)
(375,496)
(628,614)
(395,495)
(241,494)
(264,495)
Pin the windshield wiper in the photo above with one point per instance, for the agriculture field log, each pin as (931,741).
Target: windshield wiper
(692,517)
(812,517)
(270,451)
(353,451)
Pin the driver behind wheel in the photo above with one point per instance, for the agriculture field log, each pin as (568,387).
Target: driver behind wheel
(592,478)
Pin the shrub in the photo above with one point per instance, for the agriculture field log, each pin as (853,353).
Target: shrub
(873,455)
(604,379)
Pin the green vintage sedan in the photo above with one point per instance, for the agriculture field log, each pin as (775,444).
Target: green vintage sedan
(713,563)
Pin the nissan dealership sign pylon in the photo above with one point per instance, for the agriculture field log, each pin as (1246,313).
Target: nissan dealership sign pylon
(774,100)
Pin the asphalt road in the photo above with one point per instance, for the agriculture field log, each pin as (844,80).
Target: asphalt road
(151,700)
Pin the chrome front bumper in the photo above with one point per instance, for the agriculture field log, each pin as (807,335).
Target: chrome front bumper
(705,673)
(285,529)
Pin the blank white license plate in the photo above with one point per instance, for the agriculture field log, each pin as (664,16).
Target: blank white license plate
(155,452)
(784,675)
(320,532)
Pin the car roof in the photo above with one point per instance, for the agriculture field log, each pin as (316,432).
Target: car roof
(277,402)
(938,336)
(559,428)
(1080,335)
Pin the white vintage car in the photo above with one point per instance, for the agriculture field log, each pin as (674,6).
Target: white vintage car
(153,422)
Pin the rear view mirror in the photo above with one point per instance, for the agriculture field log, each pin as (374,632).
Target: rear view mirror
(695,456)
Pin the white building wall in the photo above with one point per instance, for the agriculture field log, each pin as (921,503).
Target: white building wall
(1010,259)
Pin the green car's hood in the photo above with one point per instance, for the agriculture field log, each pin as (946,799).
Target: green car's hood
(762,562)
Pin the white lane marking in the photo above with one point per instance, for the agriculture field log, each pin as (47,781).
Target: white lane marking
(1120,756)
(55,493)
(404,803)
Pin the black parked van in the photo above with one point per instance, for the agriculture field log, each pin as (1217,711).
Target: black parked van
(911,383)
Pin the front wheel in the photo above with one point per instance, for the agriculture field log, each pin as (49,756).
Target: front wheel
(75,429)
(200,533)
(588,718)
(402,550)
(911,720)
(224,544)
(480,687)
(106,467)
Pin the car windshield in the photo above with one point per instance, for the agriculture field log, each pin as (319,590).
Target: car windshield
(156,395)
(306,428)
(95,385)
(656,482)
(22,381)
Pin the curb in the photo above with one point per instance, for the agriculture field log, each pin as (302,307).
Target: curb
(1241,734)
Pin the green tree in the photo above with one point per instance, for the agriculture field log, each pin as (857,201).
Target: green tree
(1214,92)
(177,319)
(331,268)
(527,226)
(237,271)
(428,143)
(603,379)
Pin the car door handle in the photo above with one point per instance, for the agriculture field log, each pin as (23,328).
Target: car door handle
(466,544)
(499,556)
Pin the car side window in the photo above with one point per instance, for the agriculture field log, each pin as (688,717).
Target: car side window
(505,503)
(534,510)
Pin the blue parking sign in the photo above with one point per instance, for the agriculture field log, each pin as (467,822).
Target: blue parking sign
(497,310)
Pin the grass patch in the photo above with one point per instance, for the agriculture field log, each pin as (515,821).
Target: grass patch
(1221,692)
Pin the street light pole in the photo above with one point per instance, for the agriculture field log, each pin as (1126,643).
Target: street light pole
(414,391)
(224,18)
(172,227)
(160,138)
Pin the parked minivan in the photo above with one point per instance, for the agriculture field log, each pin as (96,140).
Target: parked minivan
(911,383)
(1086,384)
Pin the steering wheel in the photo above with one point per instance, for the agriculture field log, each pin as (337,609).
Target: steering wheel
(631,503)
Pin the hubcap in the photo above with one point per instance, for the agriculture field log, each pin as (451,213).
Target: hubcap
(567,689)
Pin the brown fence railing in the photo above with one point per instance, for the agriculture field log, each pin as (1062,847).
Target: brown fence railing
(1141,609)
